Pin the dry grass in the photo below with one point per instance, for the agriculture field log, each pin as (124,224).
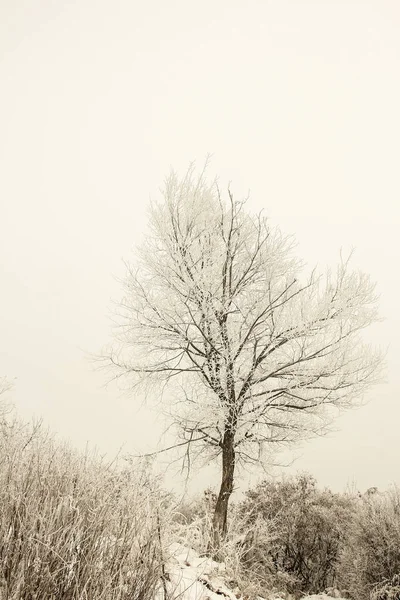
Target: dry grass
(71,525)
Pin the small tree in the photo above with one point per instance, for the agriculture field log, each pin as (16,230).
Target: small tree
(5,385)
(5,405)
(216,307)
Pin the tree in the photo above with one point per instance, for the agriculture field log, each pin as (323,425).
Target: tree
(5,406)
(5,385)
(253,352)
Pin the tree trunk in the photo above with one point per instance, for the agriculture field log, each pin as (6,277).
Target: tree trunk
(219,524)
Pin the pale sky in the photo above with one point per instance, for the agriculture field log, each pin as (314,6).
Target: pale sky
(297,100)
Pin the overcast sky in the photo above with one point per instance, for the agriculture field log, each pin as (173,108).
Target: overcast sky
(298,101)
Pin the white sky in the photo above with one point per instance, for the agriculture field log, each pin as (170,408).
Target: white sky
(297,100)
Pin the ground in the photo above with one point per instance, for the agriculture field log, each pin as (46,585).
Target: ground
(191,577)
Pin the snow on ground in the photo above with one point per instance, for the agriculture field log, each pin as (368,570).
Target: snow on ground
(196,578)
(192,577)
(320,597)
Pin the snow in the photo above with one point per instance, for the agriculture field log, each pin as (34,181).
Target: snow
(320,597)
(193,577)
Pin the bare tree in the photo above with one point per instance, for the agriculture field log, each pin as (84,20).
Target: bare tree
(5,385)
(5,406)
(216,307)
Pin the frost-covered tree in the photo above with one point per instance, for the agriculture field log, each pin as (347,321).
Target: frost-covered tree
(5,385)
(5,405)
(216,306)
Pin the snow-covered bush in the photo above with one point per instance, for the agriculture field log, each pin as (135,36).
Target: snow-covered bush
(371,553)
(193,521)
(388,591)
(294,533)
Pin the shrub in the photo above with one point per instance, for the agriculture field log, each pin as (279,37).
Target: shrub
(371,553)
(390,590)
(193,519)
(294,533)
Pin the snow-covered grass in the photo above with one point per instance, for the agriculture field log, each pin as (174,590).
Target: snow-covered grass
(73,526)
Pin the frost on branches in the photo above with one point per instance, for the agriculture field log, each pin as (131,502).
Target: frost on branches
(216,306)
